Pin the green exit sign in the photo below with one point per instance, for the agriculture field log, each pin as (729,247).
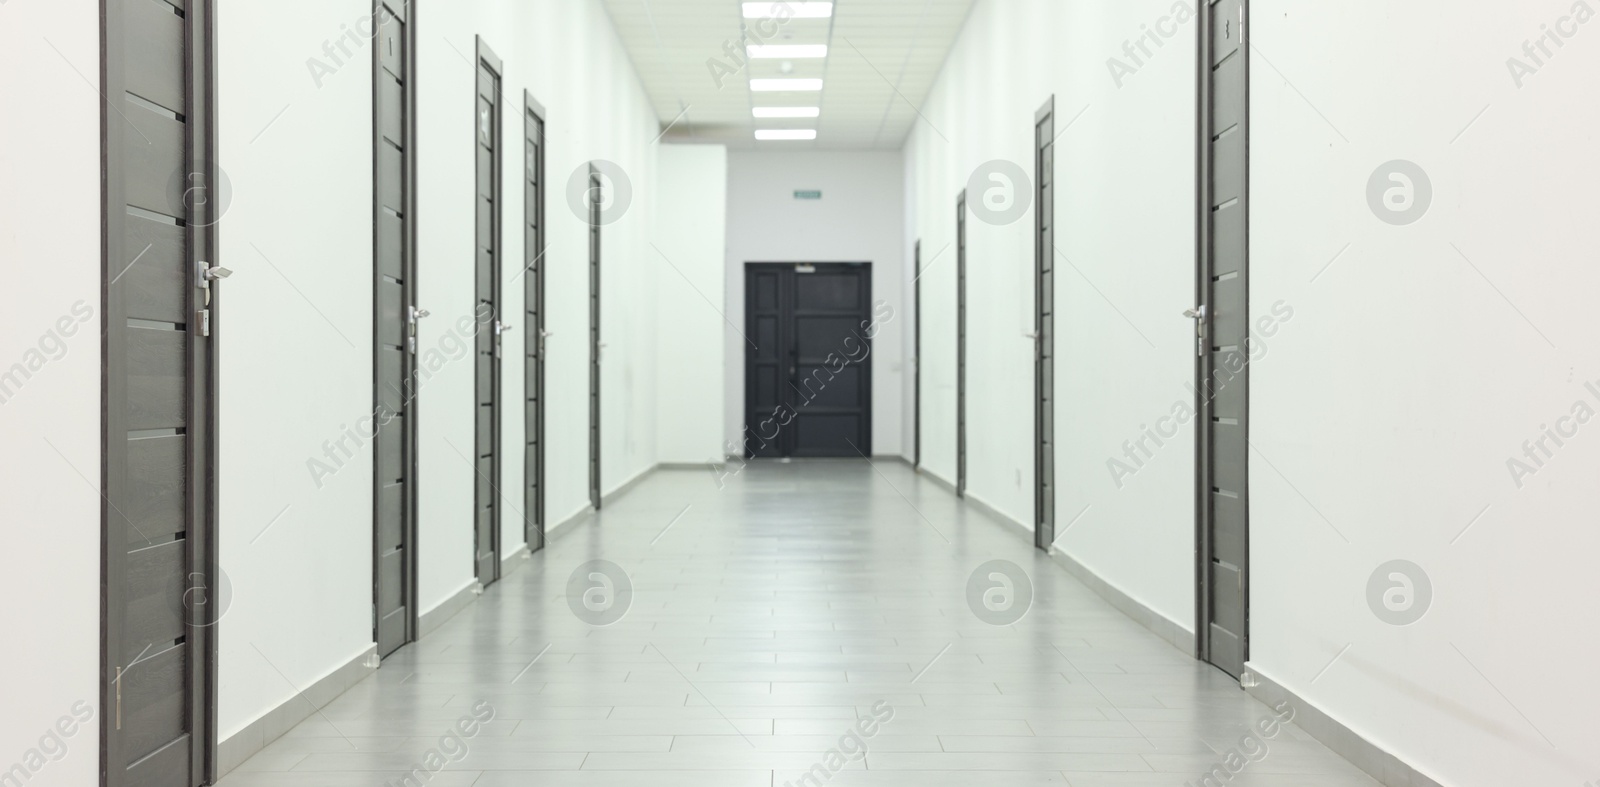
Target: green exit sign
(799,194)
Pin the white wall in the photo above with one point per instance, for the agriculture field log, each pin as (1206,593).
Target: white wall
(691,241)
(1407,373)
(1124,271)
(568,55)
(295,339)
(295,370)
(1409,378)
(271,334)
(49,504)
(858,219)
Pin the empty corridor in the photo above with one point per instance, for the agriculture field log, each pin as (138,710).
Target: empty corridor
(777,626)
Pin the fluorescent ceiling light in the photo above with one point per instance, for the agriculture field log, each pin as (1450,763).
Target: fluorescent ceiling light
(786,112)
(797,10)
(796,51)
(786,133)
(774,85)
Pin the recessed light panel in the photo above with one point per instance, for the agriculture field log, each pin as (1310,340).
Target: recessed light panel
(772,134)
(786,112)
(777,85)
(798,9)
(792,51)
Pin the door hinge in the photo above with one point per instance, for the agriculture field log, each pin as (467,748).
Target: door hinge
(119,698)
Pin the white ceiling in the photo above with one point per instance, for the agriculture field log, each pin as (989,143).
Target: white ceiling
(883,56)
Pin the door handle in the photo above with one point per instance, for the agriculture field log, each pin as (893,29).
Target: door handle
(1198,314)
(499,329)
(204,274)
(412,315)
(543,334)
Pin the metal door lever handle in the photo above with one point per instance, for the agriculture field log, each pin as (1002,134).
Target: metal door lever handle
(1198,314)
(205,273)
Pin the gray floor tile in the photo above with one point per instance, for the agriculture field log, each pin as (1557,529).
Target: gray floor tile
(765,625)
(652,778)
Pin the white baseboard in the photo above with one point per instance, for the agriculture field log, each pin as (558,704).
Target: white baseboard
(273,724)
(1345,742)
(430,621)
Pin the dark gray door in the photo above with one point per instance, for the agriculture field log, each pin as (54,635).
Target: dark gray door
(1044,461)
(961,344)
(596,202)
(808,379)
(162,589)
(487,452)
(394,329)
(916,358)
(533,321)
(767,374)
(1222,321)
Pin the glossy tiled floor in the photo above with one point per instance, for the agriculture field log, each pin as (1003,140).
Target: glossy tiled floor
(767,619)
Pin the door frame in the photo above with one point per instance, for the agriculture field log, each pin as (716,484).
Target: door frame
(1204,547)
(961,344)
(534,211)
(488,59)
(408,266)
(1044,532)
(201,531)
(596,193)
(916,355)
